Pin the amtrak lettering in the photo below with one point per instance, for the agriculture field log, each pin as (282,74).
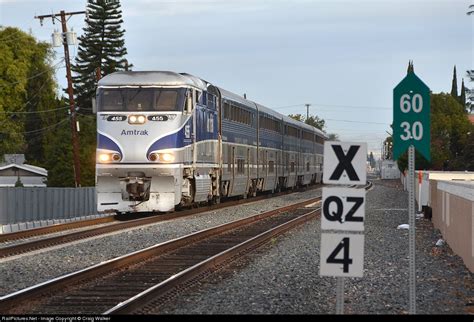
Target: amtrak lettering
(134,132)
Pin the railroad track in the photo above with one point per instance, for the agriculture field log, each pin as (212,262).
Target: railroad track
(129,283)
(29,246)
(141,281)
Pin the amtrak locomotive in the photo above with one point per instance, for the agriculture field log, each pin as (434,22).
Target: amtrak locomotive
(166,139)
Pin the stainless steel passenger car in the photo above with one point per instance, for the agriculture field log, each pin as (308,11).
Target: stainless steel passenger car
(166,139)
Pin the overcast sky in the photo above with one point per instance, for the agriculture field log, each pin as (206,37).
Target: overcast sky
(342,57)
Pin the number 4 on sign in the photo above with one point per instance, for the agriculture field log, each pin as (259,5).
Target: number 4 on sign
(342,255)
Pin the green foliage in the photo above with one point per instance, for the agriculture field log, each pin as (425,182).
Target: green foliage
(333,137)
(100,47)
(450,137)
(18,183)
(59,161)
(88,140)
(468,152)
(312,120)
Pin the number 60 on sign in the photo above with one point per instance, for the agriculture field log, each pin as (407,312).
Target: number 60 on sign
(411,116)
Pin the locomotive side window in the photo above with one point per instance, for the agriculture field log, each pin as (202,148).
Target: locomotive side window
(271,166)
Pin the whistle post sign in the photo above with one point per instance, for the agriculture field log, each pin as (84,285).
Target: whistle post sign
(343,209)
(411,116)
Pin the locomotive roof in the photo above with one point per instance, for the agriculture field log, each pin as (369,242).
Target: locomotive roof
(236,98)
(270,112)
(150,78)
(168,78)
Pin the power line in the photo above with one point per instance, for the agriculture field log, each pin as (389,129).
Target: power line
(350,121)
(70,91)
(36,112)
(34,76)
(41,129)
(337,106)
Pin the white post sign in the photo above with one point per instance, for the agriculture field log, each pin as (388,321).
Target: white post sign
(344,255)
(345,163)
(343,209)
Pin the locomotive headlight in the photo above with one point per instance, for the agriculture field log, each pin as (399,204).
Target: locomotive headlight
(167,157)
(104,157)
(109,157)
(161,157)
(136,119)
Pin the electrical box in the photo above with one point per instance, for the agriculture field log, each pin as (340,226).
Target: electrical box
(57,39)
(71,38)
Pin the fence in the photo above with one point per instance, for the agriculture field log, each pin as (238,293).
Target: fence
(453,214)
(37,206)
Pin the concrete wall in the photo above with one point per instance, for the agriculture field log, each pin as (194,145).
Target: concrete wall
(423,190)
(452,206)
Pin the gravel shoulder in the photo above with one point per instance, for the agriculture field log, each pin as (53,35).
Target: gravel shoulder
(283,277)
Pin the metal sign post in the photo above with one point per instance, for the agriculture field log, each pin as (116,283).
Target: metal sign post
(411,129)
(411,231)
(339,295)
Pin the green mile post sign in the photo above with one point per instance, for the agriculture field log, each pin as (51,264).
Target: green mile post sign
(411,116)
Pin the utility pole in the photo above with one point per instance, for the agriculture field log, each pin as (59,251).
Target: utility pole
(72,109)
(307,110)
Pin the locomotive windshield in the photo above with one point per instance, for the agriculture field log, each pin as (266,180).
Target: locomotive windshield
(141,99)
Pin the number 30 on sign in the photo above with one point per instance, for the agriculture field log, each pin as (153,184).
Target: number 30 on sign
(342,255)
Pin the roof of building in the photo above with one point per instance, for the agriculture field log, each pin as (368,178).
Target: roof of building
(26,167)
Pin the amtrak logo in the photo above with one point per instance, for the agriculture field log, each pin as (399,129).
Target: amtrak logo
(134,132)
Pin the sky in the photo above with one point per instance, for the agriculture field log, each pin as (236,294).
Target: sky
(343,57)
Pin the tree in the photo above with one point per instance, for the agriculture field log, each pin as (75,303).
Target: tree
(468,152)
(454,86)
(450,131)
(101,52)
(371,159)
(312,120)
(333,137)
(27,95)
(101,48)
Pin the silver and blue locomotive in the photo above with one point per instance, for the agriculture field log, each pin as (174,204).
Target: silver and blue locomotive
(167,139)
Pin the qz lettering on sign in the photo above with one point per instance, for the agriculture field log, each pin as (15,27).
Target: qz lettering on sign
(345,162)
(343,209)
(342,255)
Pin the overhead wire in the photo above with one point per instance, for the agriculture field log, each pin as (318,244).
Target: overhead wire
(34,76)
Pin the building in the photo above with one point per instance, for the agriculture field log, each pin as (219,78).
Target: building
(14,170)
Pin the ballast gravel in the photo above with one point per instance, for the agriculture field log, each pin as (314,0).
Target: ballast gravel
(32,268)
(283,276)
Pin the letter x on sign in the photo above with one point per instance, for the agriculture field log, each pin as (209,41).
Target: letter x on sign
(345,162)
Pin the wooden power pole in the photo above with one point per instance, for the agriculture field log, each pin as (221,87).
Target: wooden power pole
(72,109)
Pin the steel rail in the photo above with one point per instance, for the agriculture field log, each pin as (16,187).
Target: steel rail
(14,301)
(147,297)
(67,238)
(151,297)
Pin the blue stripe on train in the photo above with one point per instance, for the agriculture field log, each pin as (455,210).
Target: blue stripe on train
(103,142)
